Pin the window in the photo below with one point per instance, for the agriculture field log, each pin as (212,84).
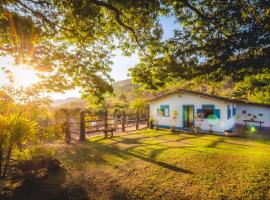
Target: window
(208,110)
(228,112)
(164,111)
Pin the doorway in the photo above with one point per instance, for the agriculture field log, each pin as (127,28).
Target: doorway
(188,116)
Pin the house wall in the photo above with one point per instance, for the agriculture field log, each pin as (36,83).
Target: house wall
(253,110)
(176,102)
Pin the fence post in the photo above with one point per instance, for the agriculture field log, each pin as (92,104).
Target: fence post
(123,121)
(82,126)
(137,119)
(148,116)
(106,123)
(67,128)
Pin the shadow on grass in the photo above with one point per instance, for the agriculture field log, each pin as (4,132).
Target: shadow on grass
(108,154)
(223,140)
(47,187)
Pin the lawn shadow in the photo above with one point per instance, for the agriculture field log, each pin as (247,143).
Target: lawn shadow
(223,140)
(125,153)
(159,163)
(47,187)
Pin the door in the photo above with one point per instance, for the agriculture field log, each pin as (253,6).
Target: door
(188,116)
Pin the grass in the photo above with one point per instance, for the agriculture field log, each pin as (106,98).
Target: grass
(154,164)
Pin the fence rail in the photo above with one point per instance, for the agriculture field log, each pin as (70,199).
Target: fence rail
(88,123)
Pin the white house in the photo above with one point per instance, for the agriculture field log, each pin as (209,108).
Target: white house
(185,109)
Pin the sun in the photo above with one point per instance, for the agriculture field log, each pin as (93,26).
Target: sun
(22,74)
(25,77)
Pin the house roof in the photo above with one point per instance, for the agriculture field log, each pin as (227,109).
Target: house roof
(227,99)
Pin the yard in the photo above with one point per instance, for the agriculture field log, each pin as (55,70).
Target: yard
(152,164)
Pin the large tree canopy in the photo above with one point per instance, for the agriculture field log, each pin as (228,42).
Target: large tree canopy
(71,41)
(217,39)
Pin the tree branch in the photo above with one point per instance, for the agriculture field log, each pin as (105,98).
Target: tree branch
(118,14)
(202,16)
(42,17)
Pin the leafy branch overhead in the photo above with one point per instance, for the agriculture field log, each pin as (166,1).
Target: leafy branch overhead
(217,40)
(72,41)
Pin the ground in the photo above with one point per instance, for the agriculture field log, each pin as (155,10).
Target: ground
(152,164)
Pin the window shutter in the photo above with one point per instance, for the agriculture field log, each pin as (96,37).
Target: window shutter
(217,113)
(234,110)
(228,112)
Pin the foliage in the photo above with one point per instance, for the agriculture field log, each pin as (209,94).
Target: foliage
(24,122)
(254,88)
(139,103)
(70,42)
(217,40)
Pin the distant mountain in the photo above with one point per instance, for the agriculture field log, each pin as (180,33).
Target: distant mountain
(128,91)
(124,86)
(69,102)
(124,90)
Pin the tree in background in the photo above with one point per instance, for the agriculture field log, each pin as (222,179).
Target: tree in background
(217,41)
(254,88)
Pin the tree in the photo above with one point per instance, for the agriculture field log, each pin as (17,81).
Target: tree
(71,41)
(254,88)
(217,40)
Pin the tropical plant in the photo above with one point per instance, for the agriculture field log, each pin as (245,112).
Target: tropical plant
(19,130)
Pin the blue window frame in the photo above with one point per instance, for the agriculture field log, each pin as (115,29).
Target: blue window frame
(228,112)
(164,111)
(217,113)
(208,106)
(208,110)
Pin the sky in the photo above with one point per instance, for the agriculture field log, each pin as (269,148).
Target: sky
(121,64)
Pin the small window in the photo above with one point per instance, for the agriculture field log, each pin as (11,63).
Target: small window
(164,111)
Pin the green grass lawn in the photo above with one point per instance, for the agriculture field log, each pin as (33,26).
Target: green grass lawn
(154,164)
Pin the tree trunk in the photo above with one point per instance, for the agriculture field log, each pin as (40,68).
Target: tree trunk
(7,159)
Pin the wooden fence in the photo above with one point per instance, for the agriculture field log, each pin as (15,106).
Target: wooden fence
(89,124)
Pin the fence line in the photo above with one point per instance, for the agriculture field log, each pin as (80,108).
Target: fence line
(88,123)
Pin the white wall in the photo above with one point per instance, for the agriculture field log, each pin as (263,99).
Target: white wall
(176,102)
(254,110)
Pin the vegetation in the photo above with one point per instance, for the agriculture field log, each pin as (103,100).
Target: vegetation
(215,41)
(24,123)
(154,164)
(220,47)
